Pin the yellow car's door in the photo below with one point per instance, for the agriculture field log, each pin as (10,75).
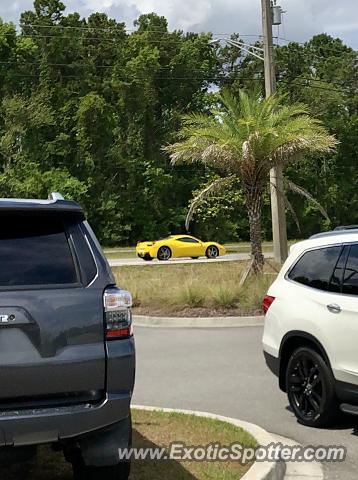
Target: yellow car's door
(188,247)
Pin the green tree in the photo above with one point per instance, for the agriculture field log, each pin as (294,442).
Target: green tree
(243,139)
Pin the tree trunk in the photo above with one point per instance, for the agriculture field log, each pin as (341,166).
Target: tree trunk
(254,209)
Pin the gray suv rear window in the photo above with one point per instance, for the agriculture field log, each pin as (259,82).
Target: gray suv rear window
(87,263)
(34,250)
(315,268)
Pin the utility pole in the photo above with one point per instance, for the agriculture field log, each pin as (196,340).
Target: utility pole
(279,230)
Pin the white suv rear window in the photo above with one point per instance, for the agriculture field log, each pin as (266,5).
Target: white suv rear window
(350,280)
(315,268)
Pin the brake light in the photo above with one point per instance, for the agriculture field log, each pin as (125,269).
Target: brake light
(118,313)
(267,302)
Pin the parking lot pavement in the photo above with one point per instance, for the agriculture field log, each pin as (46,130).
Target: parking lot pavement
(223,371)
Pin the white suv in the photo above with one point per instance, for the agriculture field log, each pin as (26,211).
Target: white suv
(310,337)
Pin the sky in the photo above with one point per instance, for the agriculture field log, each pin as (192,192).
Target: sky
(303,19)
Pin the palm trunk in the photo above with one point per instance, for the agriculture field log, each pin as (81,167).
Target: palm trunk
(254,209)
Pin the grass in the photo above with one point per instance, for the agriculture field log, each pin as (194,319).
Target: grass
(153,429)
(122,252)
(194,289)
(161,429)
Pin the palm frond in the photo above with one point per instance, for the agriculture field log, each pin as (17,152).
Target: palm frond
(216,186)
(288,205)
(304,193)
(299,136)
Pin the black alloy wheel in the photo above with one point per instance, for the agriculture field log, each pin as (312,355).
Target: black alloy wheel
(310,388)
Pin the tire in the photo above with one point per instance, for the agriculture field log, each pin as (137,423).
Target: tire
(164,253)
(120,471)
(310,388)
(147,259)
(212,252)
(194,258)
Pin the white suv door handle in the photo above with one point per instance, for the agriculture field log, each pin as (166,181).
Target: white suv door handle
(334,308)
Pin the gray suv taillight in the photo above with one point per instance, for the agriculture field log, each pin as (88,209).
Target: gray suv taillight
(118,313)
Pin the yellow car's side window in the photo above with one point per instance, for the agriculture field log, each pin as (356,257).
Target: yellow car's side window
(189,247)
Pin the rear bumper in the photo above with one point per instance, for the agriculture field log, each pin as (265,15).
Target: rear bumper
(31,427)
(144,251)
(34,426)
(144,255)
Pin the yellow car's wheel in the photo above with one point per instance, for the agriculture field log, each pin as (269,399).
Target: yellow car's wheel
(194,258)
(212,251)
(164,253)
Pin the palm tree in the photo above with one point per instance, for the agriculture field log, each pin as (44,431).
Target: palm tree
(243,139)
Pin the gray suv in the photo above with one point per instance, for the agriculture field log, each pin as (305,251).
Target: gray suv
(67,356)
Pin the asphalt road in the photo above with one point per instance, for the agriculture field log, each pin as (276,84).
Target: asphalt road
(230,257)
(223,371)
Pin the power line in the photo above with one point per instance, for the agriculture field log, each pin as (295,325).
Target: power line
(150,30)
(139,78)
(319,80)
(102,39)
(317,87)
(167,40)
(82,65)
(37,35)
(112,41)
(105,39)
(347,83)
(208,79)
(116,28)
(213,78)
(307,79)
(305,44)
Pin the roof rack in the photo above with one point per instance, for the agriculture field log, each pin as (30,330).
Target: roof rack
(55,203)
(351,229)
(346,227)
(55,196)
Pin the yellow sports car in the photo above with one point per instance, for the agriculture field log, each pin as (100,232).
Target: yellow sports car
(178,246)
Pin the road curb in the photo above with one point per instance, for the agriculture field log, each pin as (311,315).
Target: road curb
(259,470)
(300,470)
(197,322)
